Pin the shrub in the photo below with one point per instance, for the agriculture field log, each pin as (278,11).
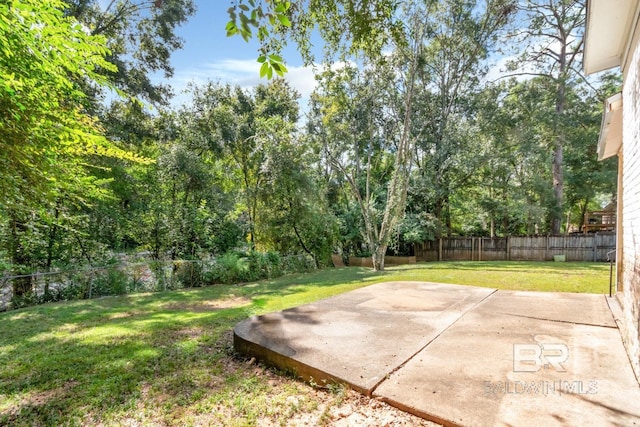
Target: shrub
(113,282)
(188,274)
(275,264)
(229,268)
(298,264)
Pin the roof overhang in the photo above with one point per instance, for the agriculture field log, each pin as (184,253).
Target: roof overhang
(611,130)
(609,26)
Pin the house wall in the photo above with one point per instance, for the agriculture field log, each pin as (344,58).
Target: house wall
(629,279)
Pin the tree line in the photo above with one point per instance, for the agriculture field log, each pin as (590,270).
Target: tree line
(406,140)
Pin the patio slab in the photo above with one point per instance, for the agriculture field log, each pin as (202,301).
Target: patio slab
(359,337)
(460,355)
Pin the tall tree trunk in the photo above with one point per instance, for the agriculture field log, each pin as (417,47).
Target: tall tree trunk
(583,213)
(378,257)
(558,190)
(556,28)
(447,214)
(438,212)
(558,176)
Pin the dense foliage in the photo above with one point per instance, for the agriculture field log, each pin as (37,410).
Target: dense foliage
(410,141)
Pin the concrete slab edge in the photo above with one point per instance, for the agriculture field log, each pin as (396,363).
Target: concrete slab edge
(418,413)
(287,364)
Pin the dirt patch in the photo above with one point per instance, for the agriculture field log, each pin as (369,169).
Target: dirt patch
(44,397)
(191,333)
(354,409)
(319,406)
(123,314)
(40,398)
(210,305)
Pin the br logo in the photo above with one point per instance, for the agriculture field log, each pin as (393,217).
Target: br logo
(533,357)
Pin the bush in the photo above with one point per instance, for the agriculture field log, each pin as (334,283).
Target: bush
(298,264)
(275,264)
(232,267)
(114,282)
(76,288)
(229,268)
(235,267)
(25,300)
(188,274)
(264,265)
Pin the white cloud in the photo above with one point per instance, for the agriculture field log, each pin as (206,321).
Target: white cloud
(499,70)
(242,72)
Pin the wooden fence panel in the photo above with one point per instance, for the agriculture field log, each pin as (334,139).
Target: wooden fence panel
(457,248)
(605,243)
(492,249)
(574,247)
(528,248)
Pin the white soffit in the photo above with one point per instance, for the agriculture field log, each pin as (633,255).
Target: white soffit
(611,130)
(609,25)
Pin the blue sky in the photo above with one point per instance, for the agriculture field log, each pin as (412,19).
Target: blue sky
(208,54)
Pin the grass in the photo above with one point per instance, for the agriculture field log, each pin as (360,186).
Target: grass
(167,358)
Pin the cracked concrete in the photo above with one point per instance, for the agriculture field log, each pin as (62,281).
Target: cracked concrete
(460,355)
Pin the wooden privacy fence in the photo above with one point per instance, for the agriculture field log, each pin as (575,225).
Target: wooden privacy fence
(574,247)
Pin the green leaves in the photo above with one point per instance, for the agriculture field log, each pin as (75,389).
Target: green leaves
(46,60)
(247,16)
(271,64)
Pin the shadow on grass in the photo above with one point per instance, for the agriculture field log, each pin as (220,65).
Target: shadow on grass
(87,362)
(154,355)
(96,373)
(44,318)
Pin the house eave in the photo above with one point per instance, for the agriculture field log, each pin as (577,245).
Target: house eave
(608,25)
(610,139)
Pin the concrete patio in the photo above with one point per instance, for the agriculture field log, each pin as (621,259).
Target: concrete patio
(460,355)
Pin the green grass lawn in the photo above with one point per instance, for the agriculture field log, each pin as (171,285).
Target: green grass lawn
(167,358)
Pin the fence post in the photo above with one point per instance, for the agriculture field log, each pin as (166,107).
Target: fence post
(472,245)
(440,249)
(546,252)
(595,246)
(508,247)
(480,249)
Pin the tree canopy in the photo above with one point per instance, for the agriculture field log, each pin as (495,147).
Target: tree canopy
(405,139)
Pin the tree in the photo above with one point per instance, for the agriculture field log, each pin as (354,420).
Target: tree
(140,36)
(587,178)
(347,27)
(554,47)
(48,137)
(293,211)
(347,125)
(454,64)
(512,181)
(361,128)
(411,71)
(246,137)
